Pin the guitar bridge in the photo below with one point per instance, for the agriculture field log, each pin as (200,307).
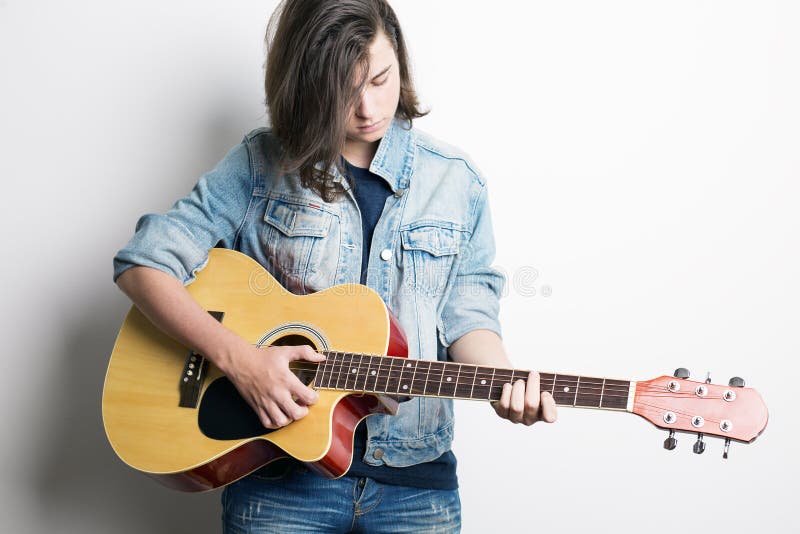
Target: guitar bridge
(194,374)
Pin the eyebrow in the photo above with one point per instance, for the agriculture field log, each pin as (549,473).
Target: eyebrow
(384,71)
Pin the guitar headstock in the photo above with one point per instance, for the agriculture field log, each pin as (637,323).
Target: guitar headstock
(676,403)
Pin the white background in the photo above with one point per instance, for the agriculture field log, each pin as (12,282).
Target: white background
(643,166)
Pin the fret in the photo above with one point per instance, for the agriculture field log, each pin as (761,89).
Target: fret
(482,383)
(501,377)
(371,383)
(364,367)
(602,390)
(393,375)
(577,388)
(546,382)
(404,384)
(351,372)
(615,394)
(565,390)
(384,376)
(466,381)
(418,383)
(323,377)
(427,378)
(590,392)
(435,377)
(339,364)
(449,380)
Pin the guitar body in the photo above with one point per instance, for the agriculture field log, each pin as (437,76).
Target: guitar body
(217,439)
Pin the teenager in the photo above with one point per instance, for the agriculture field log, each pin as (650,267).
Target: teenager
(340,188)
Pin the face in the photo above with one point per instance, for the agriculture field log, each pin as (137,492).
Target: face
(372,114)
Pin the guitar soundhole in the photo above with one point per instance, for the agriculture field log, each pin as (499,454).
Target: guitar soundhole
(306,375)
(224,414)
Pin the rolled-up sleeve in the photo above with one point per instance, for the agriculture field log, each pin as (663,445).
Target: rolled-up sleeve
(473,302)
(177,242)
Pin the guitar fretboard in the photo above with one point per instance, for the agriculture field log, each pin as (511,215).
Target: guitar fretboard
(368,373)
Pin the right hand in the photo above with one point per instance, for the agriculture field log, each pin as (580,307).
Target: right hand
(264,380)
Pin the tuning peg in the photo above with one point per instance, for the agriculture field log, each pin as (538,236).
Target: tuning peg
(727,446)
(699,446)
(708,377)
(681,372)
(670,443)
(736,381)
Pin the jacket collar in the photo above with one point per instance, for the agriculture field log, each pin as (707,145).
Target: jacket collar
(394,159)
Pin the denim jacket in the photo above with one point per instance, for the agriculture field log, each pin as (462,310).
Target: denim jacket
(429,260)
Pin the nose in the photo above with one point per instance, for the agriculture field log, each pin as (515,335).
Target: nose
(365,105)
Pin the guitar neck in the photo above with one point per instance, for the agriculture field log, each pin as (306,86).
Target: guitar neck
(366,373)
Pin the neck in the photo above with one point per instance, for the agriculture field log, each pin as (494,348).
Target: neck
(423,378)
(360,153)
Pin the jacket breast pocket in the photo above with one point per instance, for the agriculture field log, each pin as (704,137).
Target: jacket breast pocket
(295,239)
(429,250)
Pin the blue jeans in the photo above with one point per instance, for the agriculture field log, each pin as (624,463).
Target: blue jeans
(302,501)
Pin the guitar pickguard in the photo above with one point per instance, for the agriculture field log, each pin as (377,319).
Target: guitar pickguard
(225,415)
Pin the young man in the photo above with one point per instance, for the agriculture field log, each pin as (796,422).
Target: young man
(340,189)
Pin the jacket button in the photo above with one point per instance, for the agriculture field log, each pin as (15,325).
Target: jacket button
(378,454)
(399,193)
(386,254)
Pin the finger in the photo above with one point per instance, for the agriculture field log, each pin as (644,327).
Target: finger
(279,419)
(291,409)
(265,419)
(501,406)
(305,352)
(531,414)
(305,395)
(517,408)
(549,409)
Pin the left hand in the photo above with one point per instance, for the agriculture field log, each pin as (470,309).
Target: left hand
(523,403)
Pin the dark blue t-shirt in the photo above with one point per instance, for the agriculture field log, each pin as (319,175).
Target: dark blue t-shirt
(371,192)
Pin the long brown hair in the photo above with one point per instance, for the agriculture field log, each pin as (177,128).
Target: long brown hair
(314,50)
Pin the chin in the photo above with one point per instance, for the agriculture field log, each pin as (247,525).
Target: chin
(370,137)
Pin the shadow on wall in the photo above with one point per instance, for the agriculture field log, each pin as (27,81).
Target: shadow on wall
(81,480)
(79,483)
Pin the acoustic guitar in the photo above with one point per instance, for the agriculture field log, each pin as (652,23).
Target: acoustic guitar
(171,414)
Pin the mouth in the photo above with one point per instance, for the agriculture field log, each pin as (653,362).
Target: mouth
(370,127)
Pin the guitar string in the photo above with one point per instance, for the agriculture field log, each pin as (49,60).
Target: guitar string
(504,374)
(338,358)
(395,374)
(585,387)
(559,397)
(418,384)
(686,414)
(391,374)
(339,365)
